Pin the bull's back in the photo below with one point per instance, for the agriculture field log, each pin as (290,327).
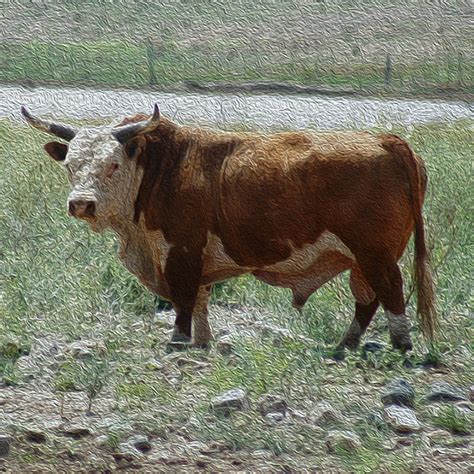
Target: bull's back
(285,190)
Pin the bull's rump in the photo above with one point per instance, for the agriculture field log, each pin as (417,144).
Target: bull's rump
(281,193)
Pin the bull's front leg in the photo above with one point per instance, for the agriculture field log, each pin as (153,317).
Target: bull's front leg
(202,333)
(183,275)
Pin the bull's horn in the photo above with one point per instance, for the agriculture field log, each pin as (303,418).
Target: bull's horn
(59,130)
(126,132)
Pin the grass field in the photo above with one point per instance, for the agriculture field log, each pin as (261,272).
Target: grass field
(59,282)
(340,44)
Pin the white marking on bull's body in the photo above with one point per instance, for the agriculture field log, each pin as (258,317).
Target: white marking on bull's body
(301,259)
(303,272)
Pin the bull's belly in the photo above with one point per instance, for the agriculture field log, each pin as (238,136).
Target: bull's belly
(303,272)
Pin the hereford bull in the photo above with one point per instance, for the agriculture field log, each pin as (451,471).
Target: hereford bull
(192,207)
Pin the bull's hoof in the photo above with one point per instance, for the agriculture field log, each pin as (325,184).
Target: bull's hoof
(339,353)
(402,345)
(179,341)
(176,346)
(201,345)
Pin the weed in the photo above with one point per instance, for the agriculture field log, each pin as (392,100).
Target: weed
(454,420)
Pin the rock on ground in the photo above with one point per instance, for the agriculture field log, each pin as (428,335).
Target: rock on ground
(275,417)
(402,419)
(346,440)
(272,404)
(236,399)
(445,392)
(398,392)
(224,345)
(325,414)
(5,442)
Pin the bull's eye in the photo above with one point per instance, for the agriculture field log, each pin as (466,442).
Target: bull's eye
(112,168)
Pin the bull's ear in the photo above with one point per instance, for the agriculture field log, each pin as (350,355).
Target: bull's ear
(135,146)
(57,151)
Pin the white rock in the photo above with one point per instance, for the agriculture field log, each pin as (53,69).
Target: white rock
(343,440)
(276,417)
(402,419)
(236,399)
(325,413)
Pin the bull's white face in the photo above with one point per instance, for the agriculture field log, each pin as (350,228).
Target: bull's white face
(103,179)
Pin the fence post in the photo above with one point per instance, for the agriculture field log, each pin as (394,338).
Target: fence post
(150,57)
(460,71)
(388,71)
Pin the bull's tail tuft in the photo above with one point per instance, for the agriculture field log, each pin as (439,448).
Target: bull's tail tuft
(424,284)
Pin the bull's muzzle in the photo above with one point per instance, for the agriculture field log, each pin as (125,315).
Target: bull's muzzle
(81,208)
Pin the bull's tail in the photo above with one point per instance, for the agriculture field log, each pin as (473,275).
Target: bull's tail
(422,273)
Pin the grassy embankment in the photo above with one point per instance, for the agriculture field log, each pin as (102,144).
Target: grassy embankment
(58,278)
(125,64)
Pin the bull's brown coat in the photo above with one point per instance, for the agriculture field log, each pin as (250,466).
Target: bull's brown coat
(264,196)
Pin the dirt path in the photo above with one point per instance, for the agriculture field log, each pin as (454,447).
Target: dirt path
(247,111)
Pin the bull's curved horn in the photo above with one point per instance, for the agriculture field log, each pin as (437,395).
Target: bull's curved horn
(59,130)
(126,132)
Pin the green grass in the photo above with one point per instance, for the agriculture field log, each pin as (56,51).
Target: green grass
(162,43)
(56,277)
(454,420)
(120,63)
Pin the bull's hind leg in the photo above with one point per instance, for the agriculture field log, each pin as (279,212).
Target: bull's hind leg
(362,318)
(385,279)
(365,309)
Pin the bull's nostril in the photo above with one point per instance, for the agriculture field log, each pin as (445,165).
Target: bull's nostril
(90,209)
(80,208)
(72,207)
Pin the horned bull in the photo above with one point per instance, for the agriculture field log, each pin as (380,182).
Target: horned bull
(192,207)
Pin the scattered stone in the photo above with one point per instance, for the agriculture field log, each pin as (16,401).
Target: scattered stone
(133,448)
(398,392)
(471,393)
(76,431)
(372,347)
(101,440)
(236,399)
(85,349)
(445,392)
(185,362)
(272,404)
(439,437)
(325,414)
(35,435)
(26,366)
(275,417)
(3,401)
(402,419)
(140,443)
(224,345)
(5,443)
(345,440)
(126,452)
(464,407)
(298,415)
